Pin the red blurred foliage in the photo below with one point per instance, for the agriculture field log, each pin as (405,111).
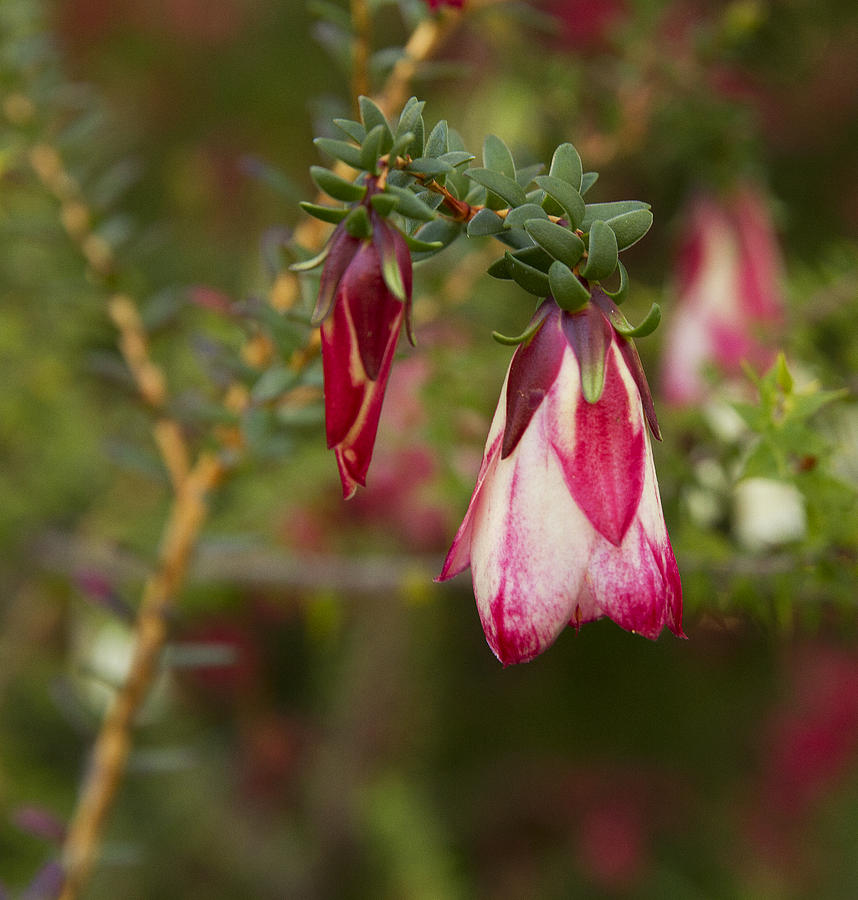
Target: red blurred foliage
(809,745)
(193,21)
(586,25)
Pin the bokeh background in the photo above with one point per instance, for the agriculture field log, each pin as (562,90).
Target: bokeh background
(329,723)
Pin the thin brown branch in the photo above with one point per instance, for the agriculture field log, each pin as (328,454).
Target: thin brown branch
(113,744)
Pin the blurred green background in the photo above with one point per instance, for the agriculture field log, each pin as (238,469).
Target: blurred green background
(330,723)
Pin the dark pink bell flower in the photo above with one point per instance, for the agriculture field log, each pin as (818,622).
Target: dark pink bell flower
(565,523)
(364,295)
(728,295)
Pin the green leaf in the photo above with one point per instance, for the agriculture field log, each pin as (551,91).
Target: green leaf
(305,265)
(373,148)
(497,156)
(337,187)
(605,211)
(564,194)
(630,227)
(566,289)
(444,231)
(411,120)
(566,165)
(601,252)
(332,214)
(410,205)
(484,223)
(647,327)
(783,376)
(622,291)
(533,280)
(499,269)
(357,222)
(524,176)
(561,243)
(456,157)
(372,116)
(506,188)
(401,144)
(353,129)
(419,246)
(587,181)
(436,143)
(347,153)
(428,166)
(384,204)
(522,338)
(518,216)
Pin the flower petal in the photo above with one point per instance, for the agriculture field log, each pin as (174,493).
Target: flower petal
(343,248)
(637,583)
(375,313)
(603,456)
(531,374)
(459,557)
(529,548)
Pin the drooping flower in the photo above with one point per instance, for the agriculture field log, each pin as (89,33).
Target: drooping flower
(565,523)
(364,295)
(728,293)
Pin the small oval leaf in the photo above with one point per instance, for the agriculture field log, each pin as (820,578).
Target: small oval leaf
(605,211)
(566,165)
(347,153)
(564,194)
(506,188)
(485,223)
(518,216)
(384,204)
(497,156)
(410,205)
(568,291)
(601,252)
(335,186)
(561,243)
(330,214)
(535,281)
(630,227)
(436,143)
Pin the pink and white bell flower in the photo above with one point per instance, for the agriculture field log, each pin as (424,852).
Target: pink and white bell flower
(565,523)
(729,300)
(364,296)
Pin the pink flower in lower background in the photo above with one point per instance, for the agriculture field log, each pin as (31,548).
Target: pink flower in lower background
(364,295)
(565,523)
(728,274)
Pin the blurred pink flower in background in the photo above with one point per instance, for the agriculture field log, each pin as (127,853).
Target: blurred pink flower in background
(586,24)
(437,4)
(810,744)
(728,274)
